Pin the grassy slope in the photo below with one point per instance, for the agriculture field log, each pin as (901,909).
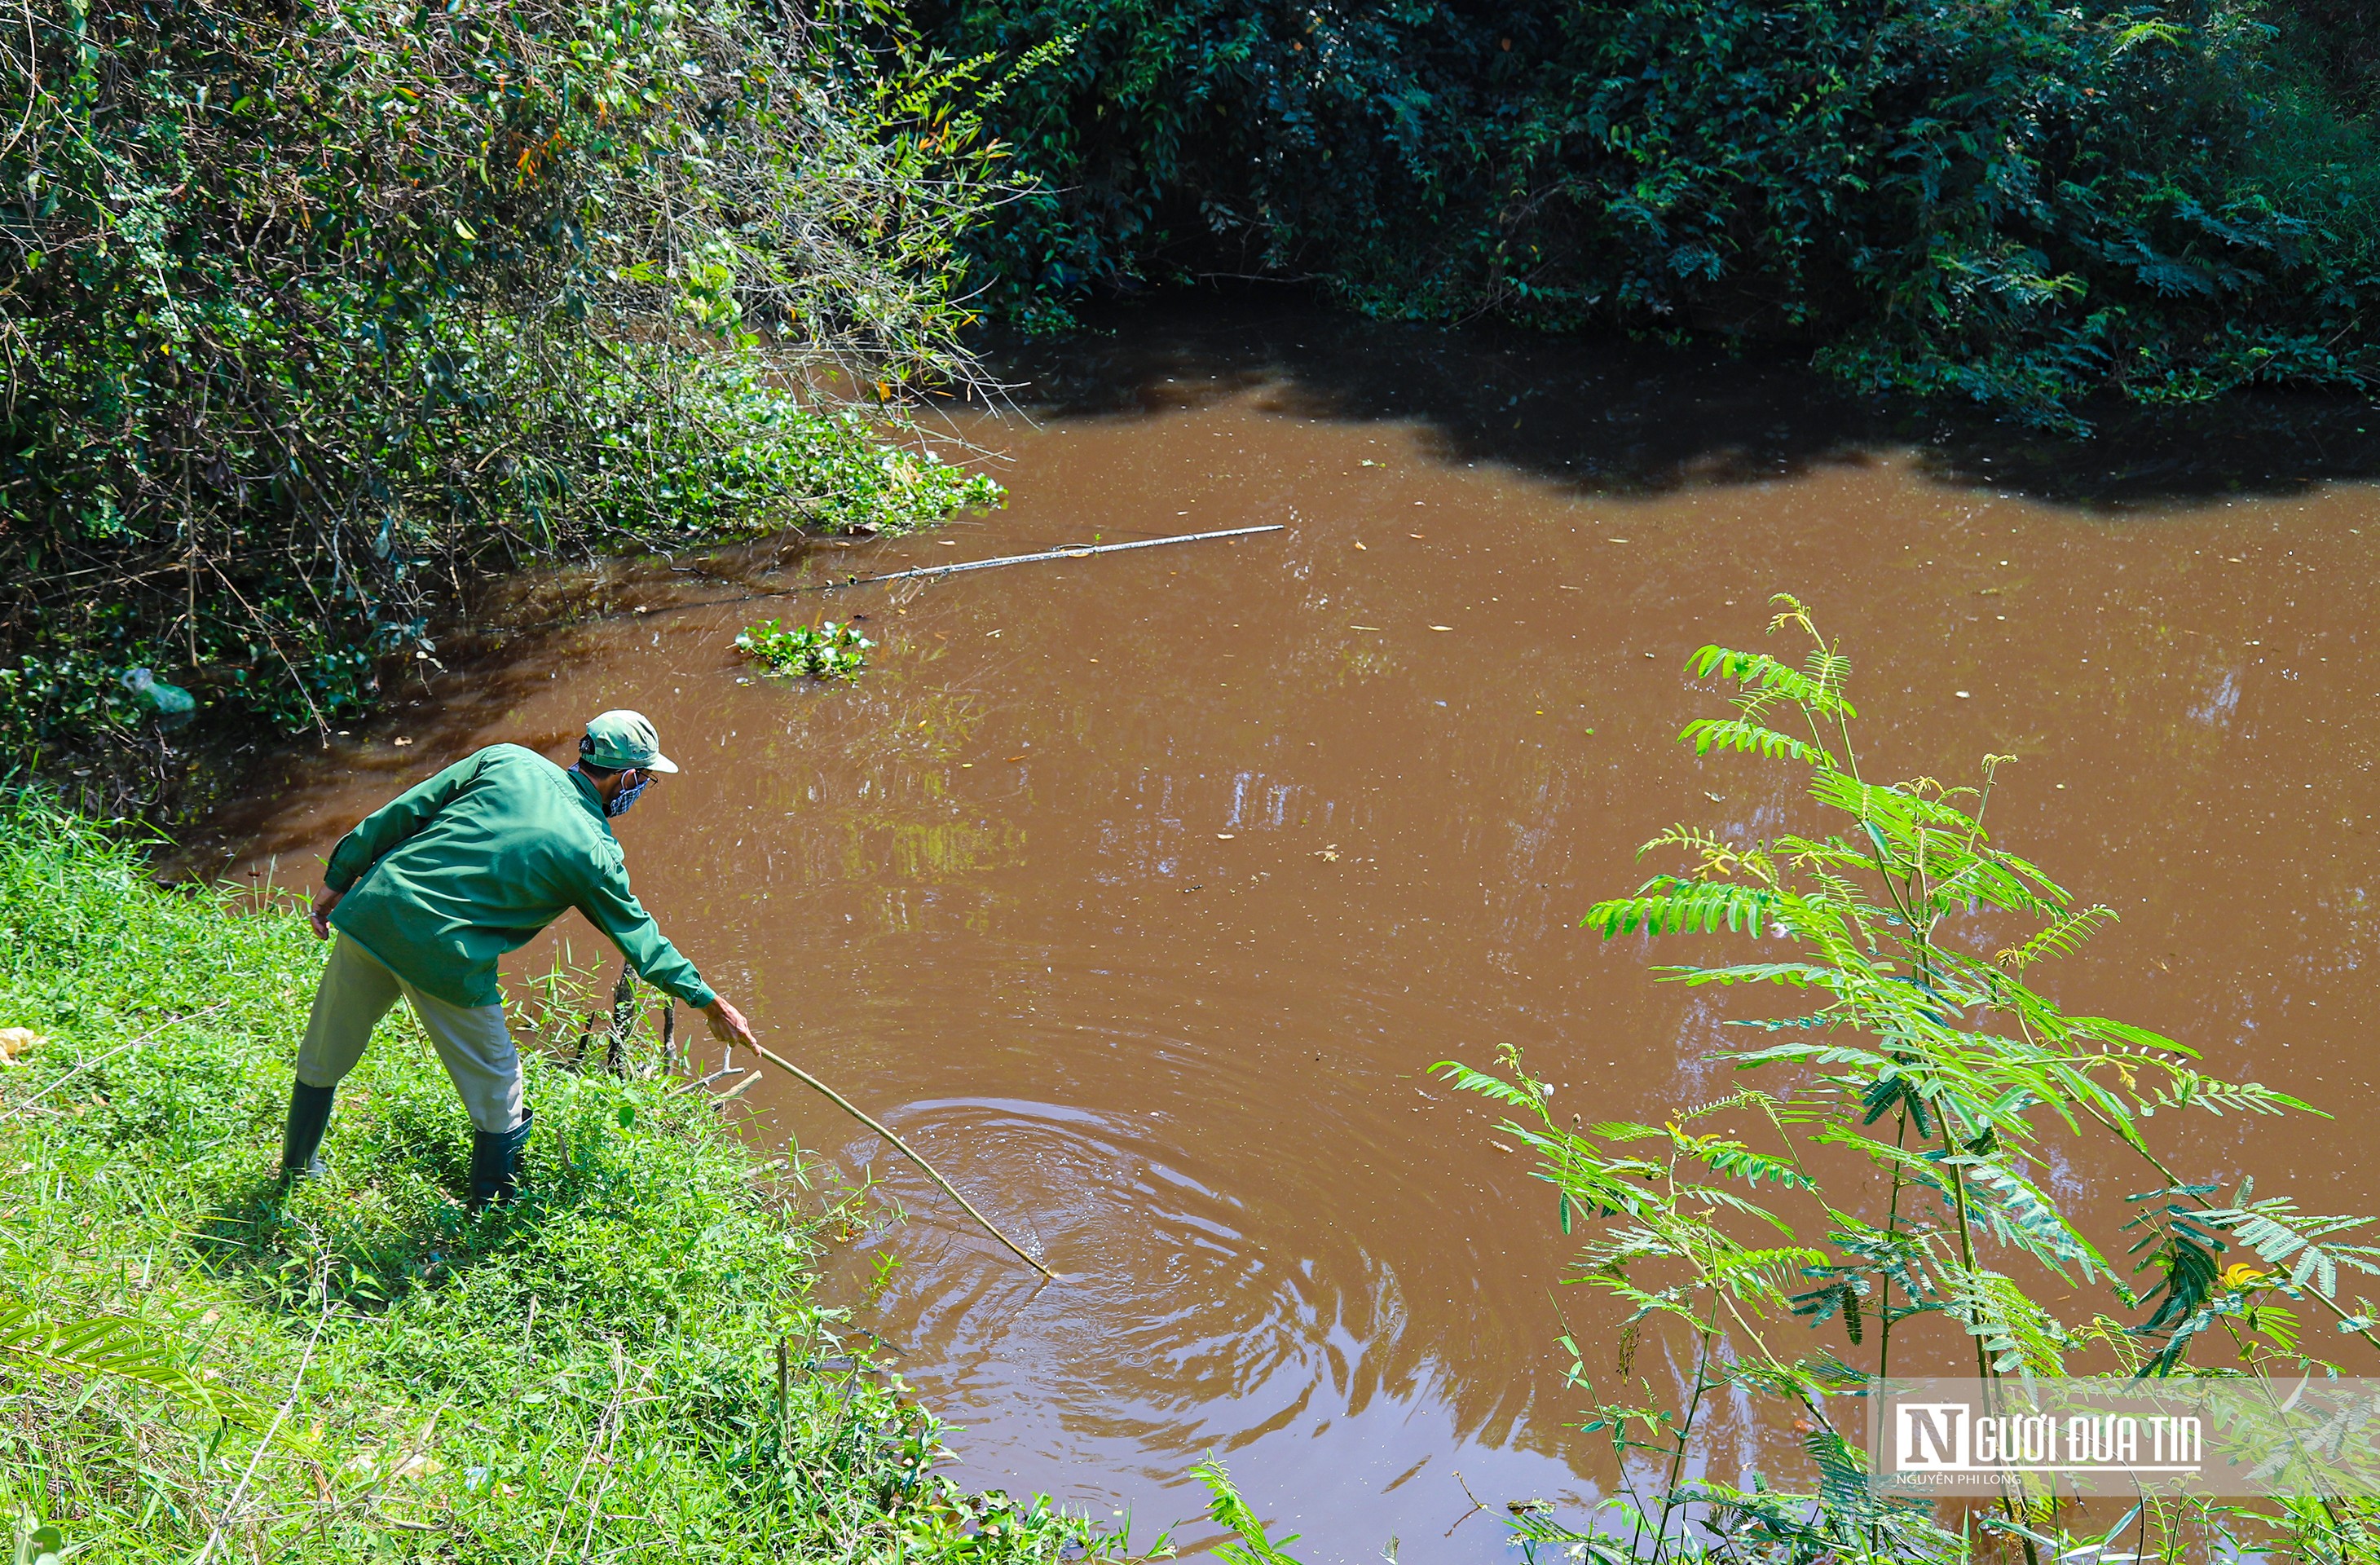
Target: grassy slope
(588,1376)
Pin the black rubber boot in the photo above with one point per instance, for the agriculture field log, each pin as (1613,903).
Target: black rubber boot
(301,1140)
(495,1163)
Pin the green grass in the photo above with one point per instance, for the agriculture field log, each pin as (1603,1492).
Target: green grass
(592,1374)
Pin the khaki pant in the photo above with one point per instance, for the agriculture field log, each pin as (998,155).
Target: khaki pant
(357,989)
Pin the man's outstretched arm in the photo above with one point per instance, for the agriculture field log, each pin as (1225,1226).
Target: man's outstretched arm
(614,909)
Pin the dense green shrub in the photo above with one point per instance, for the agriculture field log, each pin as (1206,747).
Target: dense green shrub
(2019,201)
(307,311)
(2335,39)
(591,1374)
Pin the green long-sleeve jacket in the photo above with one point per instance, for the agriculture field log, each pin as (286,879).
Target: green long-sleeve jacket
(452,873)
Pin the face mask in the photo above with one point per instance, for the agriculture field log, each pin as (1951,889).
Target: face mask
(619,803)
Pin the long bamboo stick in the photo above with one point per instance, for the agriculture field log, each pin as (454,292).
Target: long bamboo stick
(848,1106)
(1068,551)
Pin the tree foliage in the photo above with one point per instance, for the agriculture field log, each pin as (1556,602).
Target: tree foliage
(307,311)
(2018,202)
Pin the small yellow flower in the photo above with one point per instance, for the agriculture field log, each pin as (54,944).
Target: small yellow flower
(2240,1276)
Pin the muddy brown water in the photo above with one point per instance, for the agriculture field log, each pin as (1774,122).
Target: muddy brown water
(1142,891)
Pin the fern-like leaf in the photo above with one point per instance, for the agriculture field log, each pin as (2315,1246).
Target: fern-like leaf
(2188,1089)
(1710,733)
(1758,671)
(2017,1333)
(2063,938)
(2021,1215)
(2280,1235)
(1667,905)
(1462,1078)
(1842,1473)
(1897,812)
(1801,974)
(1739,1161)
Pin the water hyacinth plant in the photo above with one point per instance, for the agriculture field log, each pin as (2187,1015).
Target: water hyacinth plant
(828,651)
(1889,1174)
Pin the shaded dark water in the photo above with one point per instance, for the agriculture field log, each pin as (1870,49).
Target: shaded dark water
(1141,892)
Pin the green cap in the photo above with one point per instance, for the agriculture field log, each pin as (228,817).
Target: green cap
(619,740)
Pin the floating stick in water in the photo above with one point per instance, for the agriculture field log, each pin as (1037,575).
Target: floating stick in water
(1071,551)
(856,1112)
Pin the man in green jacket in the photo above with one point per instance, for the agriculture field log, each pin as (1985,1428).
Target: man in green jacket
(437,883)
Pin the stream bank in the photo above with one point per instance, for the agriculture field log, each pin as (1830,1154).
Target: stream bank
(593,1371)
